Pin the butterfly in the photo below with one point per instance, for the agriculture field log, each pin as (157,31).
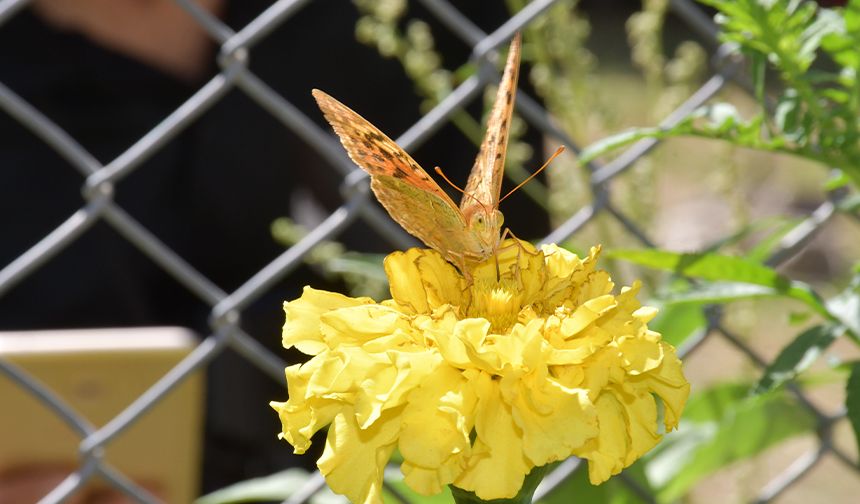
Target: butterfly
(464,235)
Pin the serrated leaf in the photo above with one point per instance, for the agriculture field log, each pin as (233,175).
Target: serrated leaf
(720,426)
(852,400)
(797,356)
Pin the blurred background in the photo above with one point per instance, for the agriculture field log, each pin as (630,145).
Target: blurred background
(164,162)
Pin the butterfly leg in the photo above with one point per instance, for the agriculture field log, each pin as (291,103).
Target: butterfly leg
(520,249)
(458,259)
(508,232)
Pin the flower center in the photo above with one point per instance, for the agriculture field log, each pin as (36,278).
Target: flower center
(498,302)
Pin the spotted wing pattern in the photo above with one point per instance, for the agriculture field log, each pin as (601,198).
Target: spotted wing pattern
(410,195)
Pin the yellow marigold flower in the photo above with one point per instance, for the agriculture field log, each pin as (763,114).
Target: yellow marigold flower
(476,383)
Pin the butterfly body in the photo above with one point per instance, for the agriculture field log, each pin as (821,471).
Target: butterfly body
(464,234)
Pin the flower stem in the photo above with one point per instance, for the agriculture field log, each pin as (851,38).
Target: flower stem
(524,496)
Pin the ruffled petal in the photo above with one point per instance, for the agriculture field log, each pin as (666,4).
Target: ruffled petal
(354,459)
(555,420)
(534,360)
(668,382)
(606,452)
(436,423)
(421,280)
(302,327)
(498,466)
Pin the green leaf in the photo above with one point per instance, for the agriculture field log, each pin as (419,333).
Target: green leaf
(278,486)
(616,141)
(852,400)
(577,489)
(524,496)
(841,44)
(798,318)
(718,267)
(718,293)
(850,203)
(798,356)
(845,307)
(708,266)
(395,480)
(678,322)
(366,265)
(720,426)
(787,115)
(836,180)
(765,247)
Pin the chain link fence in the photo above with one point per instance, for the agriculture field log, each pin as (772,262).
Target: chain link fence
(98,205)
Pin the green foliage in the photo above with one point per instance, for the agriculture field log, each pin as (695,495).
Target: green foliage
(734,277)
(722,425)
(815,112)
(803,62)
(577,488)
(279,486)
(524,496)
(798,356)
(678,322)
(363,274)
(768,415)
(852,400)
(845,307)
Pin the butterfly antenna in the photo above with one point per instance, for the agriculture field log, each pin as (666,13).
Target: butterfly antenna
(455,186)
(533,175)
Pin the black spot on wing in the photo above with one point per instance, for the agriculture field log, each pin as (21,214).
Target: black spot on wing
(373,136)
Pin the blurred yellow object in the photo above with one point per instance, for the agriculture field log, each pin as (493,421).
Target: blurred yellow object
(99,373)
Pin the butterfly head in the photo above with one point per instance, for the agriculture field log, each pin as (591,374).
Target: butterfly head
(485,224)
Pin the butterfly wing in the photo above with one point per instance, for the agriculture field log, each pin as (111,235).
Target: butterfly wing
(410,195)
(485,179)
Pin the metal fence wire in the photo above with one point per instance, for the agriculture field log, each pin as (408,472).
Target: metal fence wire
(226,307)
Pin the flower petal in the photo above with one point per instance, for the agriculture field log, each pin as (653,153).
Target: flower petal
(606,453)
(353,461)
(436,424)
(668,382)
(555,420)
(422,280)
(498,466)
(303,414)
(358,325)
(302,327)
